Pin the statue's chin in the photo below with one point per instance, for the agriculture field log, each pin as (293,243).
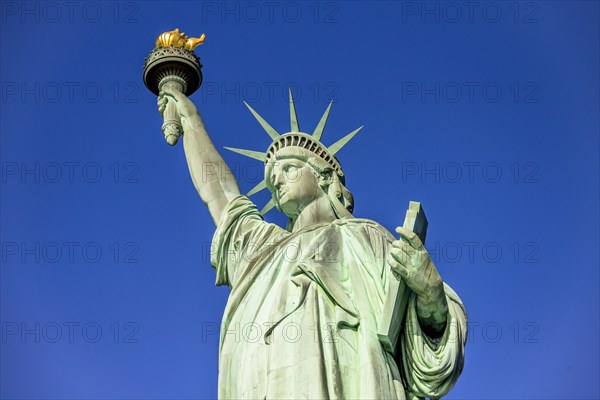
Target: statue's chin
(290,209)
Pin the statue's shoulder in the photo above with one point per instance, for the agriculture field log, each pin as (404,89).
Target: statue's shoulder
(368,226)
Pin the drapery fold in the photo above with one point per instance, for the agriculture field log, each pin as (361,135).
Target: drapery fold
(301,319)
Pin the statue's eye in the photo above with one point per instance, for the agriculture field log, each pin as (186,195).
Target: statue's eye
(289,167)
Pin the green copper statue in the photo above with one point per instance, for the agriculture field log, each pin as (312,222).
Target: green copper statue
(311,297)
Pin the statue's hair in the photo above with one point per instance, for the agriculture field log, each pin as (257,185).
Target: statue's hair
(339,195)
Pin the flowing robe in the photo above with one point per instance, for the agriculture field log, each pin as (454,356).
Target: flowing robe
(301,319)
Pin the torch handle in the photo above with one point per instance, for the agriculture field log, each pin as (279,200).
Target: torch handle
(172,127)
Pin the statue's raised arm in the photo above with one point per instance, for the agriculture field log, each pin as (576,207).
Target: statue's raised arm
(212,178)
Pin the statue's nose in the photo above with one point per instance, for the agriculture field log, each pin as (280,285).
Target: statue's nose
(279,180)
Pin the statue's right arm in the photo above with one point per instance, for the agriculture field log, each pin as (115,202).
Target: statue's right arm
(212,178)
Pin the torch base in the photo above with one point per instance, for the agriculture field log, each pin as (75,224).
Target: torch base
(172,61)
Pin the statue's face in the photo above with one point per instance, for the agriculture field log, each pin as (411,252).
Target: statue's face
(296,185)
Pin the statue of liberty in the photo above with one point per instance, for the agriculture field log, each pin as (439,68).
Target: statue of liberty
(314,293)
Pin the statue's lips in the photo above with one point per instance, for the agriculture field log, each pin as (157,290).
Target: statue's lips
(281,193)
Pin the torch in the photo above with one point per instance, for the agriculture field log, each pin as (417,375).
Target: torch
(173,64)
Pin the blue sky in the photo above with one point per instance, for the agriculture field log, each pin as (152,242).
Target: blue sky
(486,112)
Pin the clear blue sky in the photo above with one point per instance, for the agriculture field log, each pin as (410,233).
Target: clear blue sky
(486,113)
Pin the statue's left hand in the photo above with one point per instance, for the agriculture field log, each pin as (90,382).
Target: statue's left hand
(410,259)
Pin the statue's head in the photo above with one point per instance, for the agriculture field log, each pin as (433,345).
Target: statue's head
(297,176)
(300,169)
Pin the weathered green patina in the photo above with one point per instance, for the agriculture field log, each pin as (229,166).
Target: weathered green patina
(306,302)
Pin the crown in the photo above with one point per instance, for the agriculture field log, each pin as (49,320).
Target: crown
(304,141)
(295,138)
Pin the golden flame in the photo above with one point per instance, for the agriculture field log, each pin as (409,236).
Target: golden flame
(176,39)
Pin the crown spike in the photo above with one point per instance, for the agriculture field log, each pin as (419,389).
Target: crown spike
(295,127)
(321,125)
(272,132)
(262,185)
(267,207)
(257,155)
(337,146)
